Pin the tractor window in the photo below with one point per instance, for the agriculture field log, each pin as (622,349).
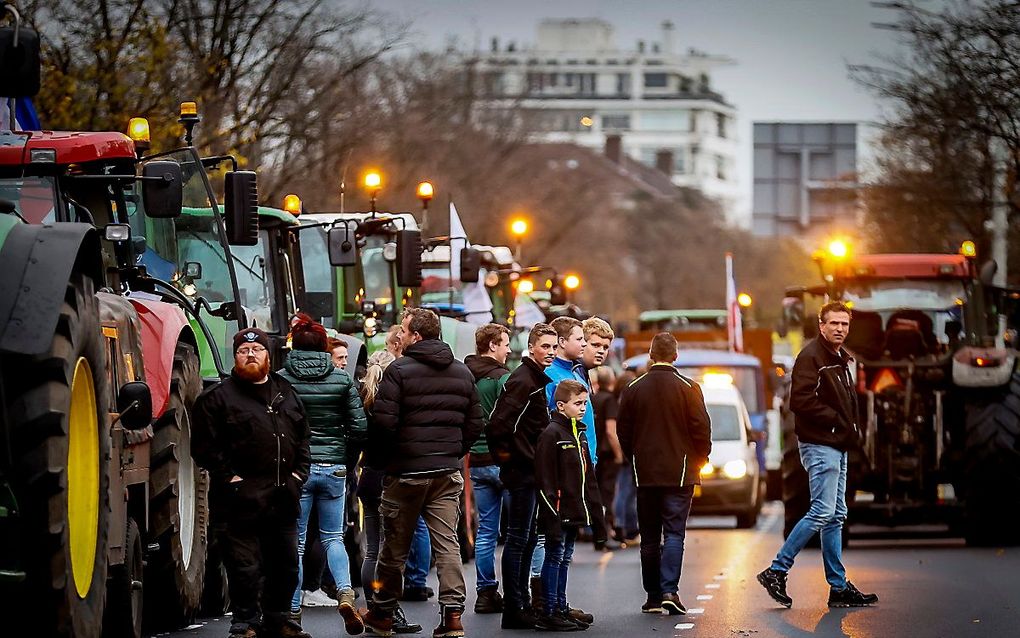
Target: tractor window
(378,275)
(34,198)
(939,299)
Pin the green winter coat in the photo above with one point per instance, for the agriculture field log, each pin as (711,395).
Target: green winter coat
(335,413)
(490,376)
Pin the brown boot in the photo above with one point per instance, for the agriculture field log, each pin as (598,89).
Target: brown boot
(450,625)
(537,600)
(376,623)
(352,619)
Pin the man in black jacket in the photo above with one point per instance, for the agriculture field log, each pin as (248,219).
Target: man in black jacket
(520,415)
(250,432)
(824,404)
(665,430)
(426,416)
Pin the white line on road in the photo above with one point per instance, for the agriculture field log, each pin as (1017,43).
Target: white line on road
(705,597)
(696,610)
(684,625)
(713,586)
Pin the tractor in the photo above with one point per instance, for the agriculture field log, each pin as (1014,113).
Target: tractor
(938,393)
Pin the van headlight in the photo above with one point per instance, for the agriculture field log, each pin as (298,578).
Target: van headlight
(735,469)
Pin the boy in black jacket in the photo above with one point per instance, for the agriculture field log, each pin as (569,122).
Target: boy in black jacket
(568,500)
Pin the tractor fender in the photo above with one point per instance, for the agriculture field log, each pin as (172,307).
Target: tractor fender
(163,326)
(37,262)
(975,367)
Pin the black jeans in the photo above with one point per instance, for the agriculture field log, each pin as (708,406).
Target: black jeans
(662,521)
(261,558)
(521,536)
(373,541)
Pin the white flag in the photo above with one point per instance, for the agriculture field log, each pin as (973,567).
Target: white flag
(734,325)
(477,304)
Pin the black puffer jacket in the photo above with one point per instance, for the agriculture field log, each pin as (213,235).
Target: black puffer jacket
(568,490)
(426,415)
(335,413)
(520,415)
(823,399)
(256,432)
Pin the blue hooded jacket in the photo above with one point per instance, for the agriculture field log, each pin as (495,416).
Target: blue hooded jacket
(561,369)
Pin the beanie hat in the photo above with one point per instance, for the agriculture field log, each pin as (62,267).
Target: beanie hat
(251,335)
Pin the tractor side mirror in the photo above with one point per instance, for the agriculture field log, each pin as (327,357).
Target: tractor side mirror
(409,249)
(470,264)
(241,208)
(19,65)
(134,404)
(162,189)
(557,291)
(343,245)
(193,270)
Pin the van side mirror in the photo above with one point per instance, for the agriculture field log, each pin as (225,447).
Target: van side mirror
(19,65)
(241,208)
(162,189)
(409,249)
(134,405)
(470,264)
(343,245)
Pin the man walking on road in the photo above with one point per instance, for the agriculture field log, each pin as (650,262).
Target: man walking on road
(824,404)
(488,365)
(519,417)
(665,430)
(250,432)
(427,416)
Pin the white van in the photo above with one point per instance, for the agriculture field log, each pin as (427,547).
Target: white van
(731,481)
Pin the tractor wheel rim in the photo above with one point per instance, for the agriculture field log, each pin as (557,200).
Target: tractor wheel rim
(186,490)
(83,477)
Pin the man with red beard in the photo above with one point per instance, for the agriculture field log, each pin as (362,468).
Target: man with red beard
(250,432)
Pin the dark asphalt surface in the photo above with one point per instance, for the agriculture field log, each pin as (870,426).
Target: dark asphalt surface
(935,587)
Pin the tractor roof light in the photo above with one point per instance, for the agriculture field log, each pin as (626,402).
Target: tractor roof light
(744,300)
(838,249)
(189,110)
(292,204)
(572,282)
(519,227)
(425,191)
(526,286)
(717,380)
(138,130)
(373,181)
(968,249)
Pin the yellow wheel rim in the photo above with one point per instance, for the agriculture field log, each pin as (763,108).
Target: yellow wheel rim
(83,477)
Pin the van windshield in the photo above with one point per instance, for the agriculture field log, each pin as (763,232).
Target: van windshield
(725,422)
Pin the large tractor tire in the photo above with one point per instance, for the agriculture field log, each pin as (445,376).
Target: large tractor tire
(58,410)
(125,593)
(992,468)
(178,505)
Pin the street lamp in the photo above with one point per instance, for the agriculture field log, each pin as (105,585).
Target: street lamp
(373,184)
(519,228)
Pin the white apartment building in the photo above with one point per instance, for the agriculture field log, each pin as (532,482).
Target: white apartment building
(575,85)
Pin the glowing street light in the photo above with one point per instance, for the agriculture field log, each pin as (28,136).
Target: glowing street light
(744,300)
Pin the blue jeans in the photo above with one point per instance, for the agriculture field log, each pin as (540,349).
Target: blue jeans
(558,552)
(488,491)
(325,490)
(625,504)
(419,559)
(826,468)
(519,547)
(662,521)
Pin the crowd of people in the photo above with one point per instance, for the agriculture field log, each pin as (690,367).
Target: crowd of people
(542,445)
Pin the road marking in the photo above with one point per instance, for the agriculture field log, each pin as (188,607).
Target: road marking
(696,610)
(684,625)
(705,597)
(719,577)
(713,586)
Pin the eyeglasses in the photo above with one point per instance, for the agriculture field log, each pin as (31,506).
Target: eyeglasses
(244,352)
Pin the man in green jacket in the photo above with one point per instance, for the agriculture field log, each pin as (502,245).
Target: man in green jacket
(336,418)
(492,347)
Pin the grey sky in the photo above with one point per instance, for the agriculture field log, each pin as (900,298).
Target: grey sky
(791,55)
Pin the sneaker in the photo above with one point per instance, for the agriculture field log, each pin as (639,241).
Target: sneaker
(774,582)
(417,594)
(376,623)
(489,601)
(352,619)
(242,632)
(518,619)
(317,598)
(653,605)
(581,615)
(400,624)
(850,597)
(290,629)
(450,625)
(581,624)
(672,605)
(555,622)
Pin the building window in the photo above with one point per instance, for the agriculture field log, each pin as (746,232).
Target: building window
(655,80)
(677,120)
(720,167)
(493,83)
(685,84)
(616,122)
(703,82)
(720,124)
(623,83)
(587,84)
(647,155)
(536,82)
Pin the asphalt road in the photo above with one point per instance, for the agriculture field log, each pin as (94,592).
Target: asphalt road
(928,587)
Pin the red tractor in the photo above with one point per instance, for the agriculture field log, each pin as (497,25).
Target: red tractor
(938,389)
